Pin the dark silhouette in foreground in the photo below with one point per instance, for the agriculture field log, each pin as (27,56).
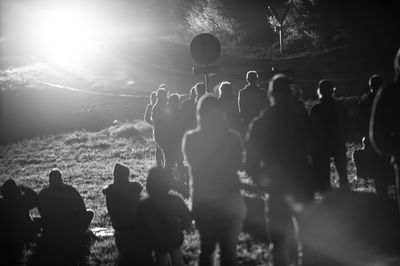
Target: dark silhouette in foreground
(385,125)
(329,124)
(65,238)
(18,227)
(252,99)
(351,228)
(161,219)
(368,162)
(214,155)
(278,161)
(122,198)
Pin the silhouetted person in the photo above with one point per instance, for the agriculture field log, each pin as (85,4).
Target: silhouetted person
(188,111)
(277,159)
(176,121)
(214,154)
(329,124)
(368,162)
(65,238)
(252,99)
(147,118)
(375,82)
(62,208)
(122,198)
(385,125)
(162,218)
(15,221)
(228,102)
(164,129)
(350,228)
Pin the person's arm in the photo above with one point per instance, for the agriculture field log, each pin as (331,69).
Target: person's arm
(147,114)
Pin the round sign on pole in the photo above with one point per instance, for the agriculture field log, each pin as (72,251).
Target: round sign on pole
(205,48)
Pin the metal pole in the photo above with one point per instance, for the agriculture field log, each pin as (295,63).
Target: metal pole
(280,40)
(206,78)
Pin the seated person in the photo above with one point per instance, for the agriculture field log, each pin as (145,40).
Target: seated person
(15,220)
(122,198)
(62,208)
(161,219)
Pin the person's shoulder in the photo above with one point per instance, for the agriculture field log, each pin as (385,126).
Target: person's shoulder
(135,186)
(44,191)
(191,134)
(108,189)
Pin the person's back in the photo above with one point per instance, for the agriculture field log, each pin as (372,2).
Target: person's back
(229,105)
(252,99)
(15,220)
(277,160)
(365,104)
(385,126)
(62,208)
(188,112)
(329,121)
(214,154)
(280,137)
(329,125)
(161,219)
(122,198)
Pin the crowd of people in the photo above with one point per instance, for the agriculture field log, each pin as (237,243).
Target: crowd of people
(201,144)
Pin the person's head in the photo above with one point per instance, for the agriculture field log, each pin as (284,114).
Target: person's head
(153,97)
(252,77)
(163,86)
(375,82)
(209,113)
(297,92)
(193,93)
(10,190)
(162,95)
(325,88)
(55,178)
(279,88)
(121,173)
(200,90)
(225,88)
(174,99)
(159,182)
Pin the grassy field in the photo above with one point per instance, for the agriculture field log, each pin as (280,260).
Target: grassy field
(86,160)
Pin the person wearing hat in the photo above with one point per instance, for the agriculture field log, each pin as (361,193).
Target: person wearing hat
(329,124)
(62,208)
(277,160)
(122,197)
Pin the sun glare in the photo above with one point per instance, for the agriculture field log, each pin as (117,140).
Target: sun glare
(66,35)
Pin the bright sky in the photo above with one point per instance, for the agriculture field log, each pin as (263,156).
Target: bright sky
(66,31)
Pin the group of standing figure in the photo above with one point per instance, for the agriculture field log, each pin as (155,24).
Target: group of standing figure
(282,146)
(269,134)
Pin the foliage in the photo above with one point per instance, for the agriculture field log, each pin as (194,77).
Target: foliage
(195,17)
(310,26)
